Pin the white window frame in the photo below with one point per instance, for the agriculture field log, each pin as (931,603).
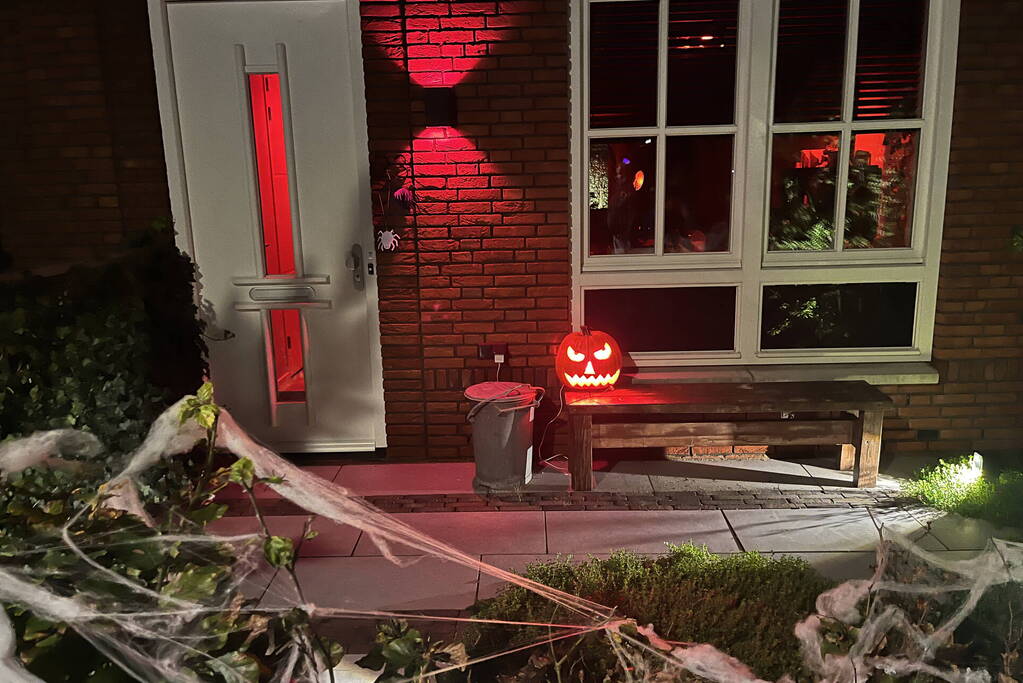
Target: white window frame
(748,265)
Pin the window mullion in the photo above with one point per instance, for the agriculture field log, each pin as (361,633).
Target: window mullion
(851,37)
(662,119)
(841,186)
(757,29)
(848,102)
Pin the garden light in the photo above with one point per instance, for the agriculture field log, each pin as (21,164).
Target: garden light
(972,470)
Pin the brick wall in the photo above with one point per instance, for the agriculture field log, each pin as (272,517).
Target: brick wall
(81,158)
(486,257)
(466,270)
(978,335)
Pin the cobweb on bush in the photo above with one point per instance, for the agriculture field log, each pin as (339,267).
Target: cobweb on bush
(150,634)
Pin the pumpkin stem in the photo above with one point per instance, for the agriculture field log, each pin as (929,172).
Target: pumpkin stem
(585,331)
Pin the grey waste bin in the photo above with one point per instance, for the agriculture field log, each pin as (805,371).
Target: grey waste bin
(502,433)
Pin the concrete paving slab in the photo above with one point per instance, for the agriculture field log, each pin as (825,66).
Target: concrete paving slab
(963,533)
(554,478)
(839,566)
(427,583)
(594,531)
(725,475)
(331,539)
(472,532)
(805,530)
(824,472)
(408,478)
(901,520)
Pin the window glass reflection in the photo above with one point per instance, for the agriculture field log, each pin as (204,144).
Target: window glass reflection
(803,169)
(621,195)
(623,64)
(698,193)
(879,205)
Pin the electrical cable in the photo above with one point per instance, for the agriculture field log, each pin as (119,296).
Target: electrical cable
(543,436)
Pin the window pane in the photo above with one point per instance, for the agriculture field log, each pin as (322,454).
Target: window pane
(838,316)
(701,61)
(621,190)
(623,64)
(698,194)
(803,191)
(272,172)
(664,318)
(811,59)
(888,58)
(288,363)
(882,178)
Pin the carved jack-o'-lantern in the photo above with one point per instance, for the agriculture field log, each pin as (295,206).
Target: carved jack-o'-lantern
(589,359)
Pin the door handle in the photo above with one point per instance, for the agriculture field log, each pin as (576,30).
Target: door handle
(353,262)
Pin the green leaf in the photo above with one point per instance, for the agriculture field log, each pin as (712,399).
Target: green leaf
(207,416)
(36,628)
(208,513)
(243,472)
(272,480)
(403,651)
(195,583)
(188,411)
(279,551)
(205,393)
(374,661)
(236,666)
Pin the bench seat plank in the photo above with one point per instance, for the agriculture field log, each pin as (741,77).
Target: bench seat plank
(751,433)
(760,397)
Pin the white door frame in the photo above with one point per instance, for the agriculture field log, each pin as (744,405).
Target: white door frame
(174,158)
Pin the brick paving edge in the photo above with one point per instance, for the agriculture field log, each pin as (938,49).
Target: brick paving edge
(606,501)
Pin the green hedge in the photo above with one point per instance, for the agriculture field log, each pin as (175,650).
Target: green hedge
(102,347)
(745,604)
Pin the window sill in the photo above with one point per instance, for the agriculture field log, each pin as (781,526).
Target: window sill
(874,373)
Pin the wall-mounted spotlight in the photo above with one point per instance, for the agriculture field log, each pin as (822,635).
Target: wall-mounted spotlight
(441,107)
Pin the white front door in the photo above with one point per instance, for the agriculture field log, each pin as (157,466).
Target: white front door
(273,145)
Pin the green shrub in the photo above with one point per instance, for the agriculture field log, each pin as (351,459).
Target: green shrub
(746,605)
(953,486)
(102,348)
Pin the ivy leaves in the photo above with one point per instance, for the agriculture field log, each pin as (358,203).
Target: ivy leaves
(243,472)
(279,552)
(403,653)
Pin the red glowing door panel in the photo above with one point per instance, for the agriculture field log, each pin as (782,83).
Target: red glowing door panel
(286,354)
(288,361)
(272,169)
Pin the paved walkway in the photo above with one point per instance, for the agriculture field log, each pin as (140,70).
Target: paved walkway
(343,567)
(630,485)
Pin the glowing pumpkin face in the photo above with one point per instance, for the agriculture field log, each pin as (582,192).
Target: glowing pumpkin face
(588,360)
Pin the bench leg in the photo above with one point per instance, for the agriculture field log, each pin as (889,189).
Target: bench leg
(868,450)
(580,455)
(847,460)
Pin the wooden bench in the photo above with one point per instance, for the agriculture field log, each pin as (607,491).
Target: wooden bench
(631,417)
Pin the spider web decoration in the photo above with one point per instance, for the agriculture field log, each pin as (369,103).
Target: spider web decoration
(150,634)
